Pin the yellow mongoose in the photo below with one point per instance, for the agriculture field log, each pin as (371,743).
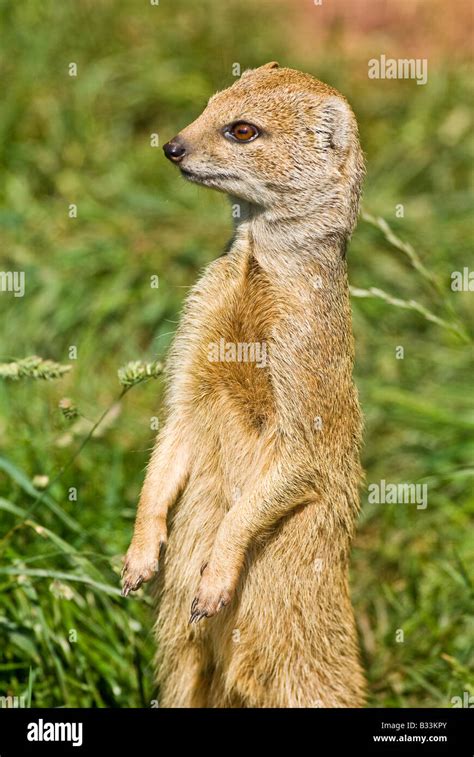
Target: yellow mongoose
(260,450)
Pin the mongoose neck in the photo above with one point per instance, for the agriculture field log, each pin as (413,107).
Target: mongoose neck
(290,245)
(298,232)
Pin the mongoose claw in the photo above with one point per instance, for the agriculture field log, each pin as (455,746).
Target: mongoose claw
(196,617)
(209,600)
(127,586)
(138,568)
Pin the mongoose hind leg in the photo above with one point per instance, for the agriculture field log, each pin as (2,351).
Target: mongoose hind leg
(188,682)
(220,697)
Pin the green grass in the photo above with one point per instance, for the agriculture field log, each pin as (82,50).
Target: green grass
(67,638)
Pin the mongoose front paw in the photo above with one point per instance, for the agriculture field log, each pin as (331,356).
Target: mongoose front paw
(139,566)
(213,594)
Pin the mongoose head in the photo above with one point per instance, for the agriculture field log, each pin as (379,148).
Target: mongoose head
(280,140)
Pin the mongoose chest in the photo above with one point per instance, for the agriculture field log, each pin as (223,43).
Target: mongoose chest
(233,359)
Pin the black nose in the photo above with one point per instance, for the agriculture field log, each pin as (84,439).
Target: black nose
(174,150)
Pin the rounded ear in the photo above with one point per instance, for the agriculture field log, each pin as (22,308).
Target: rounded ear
(335,123)
(266,66)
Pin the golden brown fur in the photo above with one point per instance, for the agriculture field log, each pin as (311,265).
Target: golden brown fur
(260,464)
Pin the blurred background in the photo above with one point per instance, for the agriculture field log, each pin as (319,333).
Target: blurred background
(66,636)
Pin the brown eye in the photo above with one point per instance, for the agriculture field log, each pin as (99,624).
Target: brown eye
(242,132)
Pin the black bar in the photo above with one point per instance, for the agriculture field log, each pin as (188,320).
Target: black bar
(317,731)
